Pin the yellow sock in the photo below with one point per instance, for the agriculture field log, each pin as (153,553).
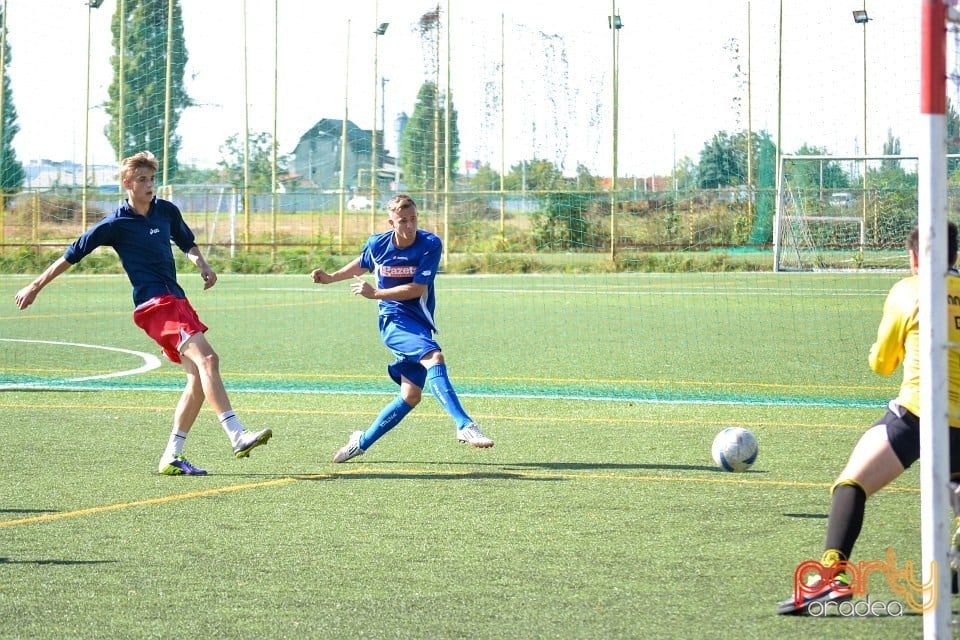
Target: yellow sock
(831,557)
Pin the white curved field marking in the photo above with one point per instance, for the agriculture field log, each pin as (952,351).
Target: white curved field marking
(150,361)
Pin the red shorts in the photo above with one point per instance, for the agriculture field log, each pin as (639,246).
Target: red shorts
(170,321)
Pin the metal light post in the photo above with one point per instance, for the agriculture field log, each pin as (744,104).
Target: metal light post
(167,98)
(91,5)
(615,24)
(383,108)
(121,92)
(343,135)
(379,31)
(3,67)
(860,17)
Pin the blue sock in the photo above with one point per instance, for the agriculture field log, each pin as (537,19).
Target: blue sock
(389,417)
(440,386)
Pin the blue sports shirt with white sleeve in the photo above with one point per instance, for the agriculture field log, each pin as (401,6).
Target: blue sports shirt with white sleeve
(394,267)
(143,244)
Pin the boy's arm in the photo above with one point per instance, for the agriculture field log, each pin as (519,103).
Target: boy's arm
(408,291)
(28,294)
(208,274)
(344,273)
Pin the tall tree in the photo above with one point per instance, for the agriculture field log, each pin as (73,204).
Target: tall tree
(953,128)
(423,141)
(534,175)
(259,164)
(142,80)
(815,175)
(11,171)
(719,163)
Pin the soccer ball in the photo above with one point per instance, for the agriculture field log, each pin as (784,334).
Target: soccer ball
(734,449)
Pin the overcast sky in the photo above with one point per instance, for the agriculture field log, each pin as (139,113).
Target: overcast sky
(683,75)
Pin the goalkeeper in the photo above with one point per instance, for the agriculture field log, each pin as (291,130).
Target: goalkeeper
(405,261)
(893,443)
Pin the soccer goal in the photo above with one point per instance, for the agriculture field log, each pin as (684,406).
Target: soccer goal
(843,212)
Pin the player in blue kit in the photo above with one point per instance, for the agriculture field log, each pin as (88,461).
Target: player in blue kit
(405,261)
(140,231)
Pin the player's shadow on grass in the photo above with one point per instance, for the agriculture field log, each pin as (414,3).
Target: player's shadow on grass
(345,474)
(809,516)
(610,466)
(44,561)
(568,466)
(28,510)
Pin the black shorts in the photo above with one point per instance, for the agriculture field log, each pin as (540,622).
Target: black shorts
(903,433)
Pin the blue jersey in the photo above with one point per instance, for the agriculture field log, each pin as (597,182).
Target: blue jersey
(143,244)
(393,267)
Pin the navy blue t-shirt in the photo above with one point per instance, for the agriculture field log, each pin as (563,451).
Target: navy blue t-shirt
(143,244)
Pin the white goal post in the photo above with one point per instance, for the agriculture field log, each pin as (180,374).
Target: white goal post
(803,221)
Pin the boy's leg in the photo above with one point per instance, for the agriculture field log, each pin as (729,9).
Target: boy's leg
(439,384)
(441,388)
(389,417)
(197,350)
(173,462)
(410,339)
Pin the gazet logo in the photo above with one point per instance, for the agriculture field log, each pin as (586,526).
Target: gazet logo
(812,578)
(404,271)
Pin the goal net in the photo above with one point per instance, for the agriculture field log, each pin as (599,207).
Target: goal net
(841,213)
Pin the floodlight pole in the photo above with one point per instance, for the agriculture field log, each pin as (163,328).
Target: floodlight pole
(779,154)
(615,25)
(121,92)
(246,136)
(750,189)
(86,121)
(865,19)
(447,169)
(343,137)
(167,98)
(274,145)
(379,31)
(3,67)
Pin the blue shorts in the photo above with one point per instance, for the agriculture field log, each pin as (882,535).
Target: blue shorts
(409,341)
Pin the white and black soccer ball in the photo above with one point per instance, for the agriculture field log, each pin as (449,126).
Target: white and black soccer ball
(735,449)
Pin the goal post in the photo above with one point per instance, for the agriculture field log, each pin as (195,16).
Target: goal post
(843,212)
(934,347)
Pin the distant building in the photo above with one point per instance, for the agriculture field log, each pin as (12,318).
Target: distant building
(316,158)
(47,174)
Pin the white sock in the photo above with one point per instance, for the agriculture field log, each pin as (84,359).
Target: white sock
(231,424)
(174,445)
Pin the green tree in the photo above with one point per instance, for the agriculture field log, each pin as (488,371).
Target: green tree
(485,179)
(891,148)
(686,173)
(11,171)
(143,54)
(534,175)
(586,181)
(422,146)
(259,164)
(719,163)
(953,143)
(818,175)
(187,174)
(953,128)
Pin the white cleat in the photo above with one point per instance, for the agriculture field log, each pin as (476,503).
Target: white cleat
(351,449)
(472,436)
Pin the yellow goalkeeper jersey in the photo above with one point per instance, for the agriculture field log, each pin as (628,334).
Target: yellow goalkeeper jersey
(898,341)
